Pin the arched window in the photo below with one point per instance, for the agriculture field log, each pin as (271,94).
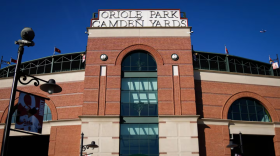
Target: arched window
(139,61)
(47,114)
(248,109)
(139,105)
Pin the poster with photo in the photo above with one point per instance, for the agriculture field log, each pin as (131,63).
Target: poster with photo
(30,113)
(275,65)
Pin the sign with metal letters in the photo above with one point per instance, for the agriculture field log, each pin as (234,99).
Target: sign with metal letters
(139,18)
(30,113)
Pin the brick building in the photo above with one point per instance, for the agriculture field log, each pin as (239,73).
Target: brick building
(144,90)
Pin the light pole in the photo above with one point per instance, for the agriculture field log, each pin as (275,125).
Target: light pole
(27,35)
(85,147)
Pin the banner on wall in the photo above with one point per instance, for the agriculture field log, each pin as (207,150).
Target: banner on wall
(30,113)
(275,65)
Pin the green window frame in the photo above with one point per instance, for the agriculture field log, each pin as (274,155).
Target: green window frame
(139,97)
(139,106)
(139,61)
(139,139)
(248,109)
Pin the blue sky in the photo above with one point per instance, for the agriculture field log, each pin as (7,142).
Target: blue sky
(62,23)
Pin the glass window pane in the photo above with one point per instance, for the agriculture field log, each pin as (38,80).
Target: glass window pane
(153,143)
(134,129)
(152,83)
(49,117)
(138,109)
(135,58)
(143,97)
(125,68)
(235,108)
(259,109)
(125,109)
(253,117)
(134,97)
(152,68)
(144,146)
(252,109)
(144,85)
(145,110)
(153,97)
(261,117)
(135,110)
(153,110)
(143,129)
(125,84)
(126,61)
(143,59)
(151,61)
(236,116)
(124,146)
(153,129)
(266,118)
(125,96)
(125,129)
(242,102)
(245,117)
(135,85)
(244,108)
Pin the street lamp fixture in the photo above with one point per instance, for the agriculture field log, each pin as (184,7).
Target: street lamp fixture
(91,145)
(231,144)
(85,147)
(27,35)
(51,87)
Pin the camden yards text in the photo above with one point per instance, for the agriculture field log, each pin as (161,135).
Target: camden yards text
(139,18)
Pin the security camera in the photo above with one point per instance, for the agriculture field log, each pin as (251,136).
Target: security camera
(27,34)
(191,32)
(87,32)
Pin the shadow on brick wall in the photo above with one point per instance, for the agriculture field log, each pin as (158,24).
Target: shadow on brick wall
(201,139)
(198,98)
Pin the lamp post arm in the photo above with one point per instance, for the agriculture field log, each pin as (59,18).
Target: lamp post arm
(37,83)
(4,148)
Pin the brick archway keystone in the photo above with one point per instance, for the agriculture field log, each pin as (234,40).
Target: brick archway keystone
(268,106)
(149,49)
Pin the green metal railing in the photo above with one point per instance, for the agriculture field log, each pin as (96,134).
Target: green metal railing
(51,64)
(202,60)
(229,63)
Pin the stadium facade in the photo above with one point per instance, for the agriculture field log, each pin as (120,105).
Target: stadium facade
(143,90)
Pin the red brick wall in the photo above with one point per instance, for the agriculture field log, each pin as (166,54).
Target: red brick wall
(276,141)
(180,92)
(64,105)
(1,137)
(213,140)
(214,98)
(65,140)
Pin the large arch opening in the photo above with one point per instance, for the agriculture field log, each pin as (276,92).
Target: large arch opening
(250,109)
(139,105)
